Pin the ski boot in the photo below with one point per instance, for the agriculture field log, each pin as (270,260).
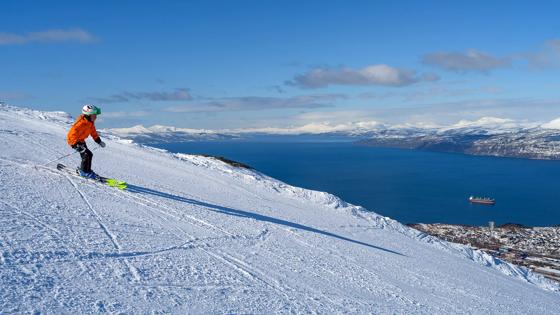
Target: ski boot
(90,175)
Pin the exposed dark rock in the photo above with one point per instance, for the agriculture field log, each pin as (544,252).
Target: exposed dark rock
(228,161)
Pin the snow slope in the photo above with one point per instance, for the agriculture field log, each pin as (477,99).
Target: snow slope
(195,235)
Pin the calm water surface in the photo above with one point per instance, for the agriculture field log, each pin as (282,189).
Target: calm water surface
(407,185)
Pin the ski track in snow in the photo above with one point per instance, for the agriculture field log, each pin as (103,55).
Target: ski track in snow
(133,271)
(194,235)
(239,265)
(236,263)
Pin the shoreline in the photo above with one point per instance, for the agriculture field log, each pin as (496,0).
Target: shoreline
(537,248)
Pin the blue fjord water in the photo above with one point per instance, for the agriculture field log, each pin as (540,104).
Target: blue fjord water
(408,185)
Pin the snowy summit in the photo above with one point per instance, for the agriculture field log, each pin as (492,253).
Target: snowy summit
(192,234)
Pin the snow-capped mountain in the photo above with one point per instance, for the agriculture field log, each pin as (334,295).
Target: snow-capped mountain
(195,235)
(531,143)
(166,134)
(485,136)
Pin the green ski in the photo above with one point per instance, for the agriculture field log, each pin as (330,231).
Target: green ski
(111,182)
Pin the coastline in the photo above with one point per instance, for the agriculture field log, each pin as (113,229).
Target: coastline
(537,248)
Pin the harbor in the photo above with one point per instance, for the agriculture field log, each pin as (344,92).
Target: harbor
(537,248)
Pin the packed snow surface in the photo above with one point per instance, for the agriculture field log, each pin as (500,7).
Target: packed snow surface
(195,235)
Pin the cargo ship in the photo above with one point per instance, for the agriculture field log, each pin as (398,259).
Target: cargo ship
(482,200)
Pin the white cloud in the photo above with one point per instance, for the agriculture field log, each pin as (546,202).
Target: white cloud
(371,75)
(506,113)
(176,95)
(547,57)
(48,36)
(332,116)
(314,128)
(10,96)
(121,114)
(471,60)
(257,103)
(430,93)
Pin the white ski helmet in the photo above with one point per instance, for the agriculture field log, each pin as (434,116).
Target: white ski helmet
(91,110)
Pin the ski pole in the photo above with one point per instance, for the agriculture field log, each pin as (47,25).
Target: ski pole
(60,158)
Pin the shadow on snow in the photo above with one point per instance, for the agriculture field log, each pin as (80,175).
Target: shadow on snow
(252,215)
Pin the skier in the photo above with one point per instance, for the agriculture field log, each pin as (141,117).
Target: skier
(76,138)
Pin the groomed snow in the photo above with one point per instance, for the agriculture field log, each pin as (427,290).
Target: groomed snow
(194,235)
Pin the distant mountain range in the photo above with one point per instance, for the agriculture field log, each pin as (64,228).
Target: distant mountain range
(534,143)
(486,136)
(167,134)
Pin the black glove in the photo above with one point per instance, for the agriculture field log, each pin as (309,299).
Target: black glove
(101,143)
(80,147)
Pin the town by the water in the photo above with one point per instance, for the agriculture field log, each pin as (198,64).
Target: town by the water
(537,248)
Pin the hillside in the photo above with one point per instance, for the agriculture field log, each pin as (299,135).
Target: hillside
(195,235)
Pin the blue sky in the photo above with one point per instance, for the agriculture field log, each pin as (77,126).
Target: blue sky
(249,64)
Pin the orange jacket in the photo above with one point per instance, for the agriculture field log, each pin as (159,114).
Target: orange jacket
(81,129)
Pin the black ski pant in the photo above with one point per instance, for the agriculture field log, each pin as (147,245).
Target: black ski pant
(86,155)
